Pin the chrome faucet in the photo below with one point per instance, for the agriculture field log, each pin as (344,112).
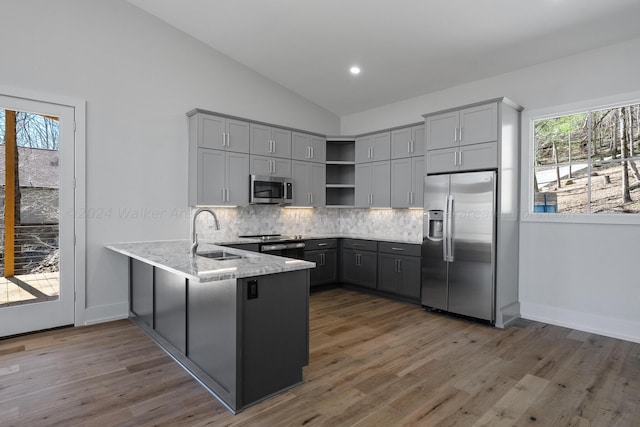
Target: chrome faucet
(194,235)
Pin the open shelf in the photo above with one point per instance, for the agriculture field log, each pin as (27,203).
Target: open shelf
(340,172)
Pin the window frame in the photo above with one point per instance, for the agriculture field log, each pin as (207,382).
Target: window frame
(528,155)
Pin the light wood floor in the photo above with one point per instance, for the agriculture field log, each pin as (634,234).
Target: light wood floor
(373,363)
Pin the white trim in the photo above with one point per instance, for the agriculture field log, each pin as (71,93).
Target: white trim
(587,322)
(526,182)
(79,107)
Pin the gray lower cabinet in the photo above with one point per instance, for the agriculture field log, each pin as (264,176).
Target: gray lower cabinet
(141,291)
(399,267)
(324,252)
(171,308)
(275,333)
(359,262)
(244,339)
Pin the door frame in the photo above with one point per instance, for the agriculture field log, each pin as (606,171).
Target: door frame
(79,107)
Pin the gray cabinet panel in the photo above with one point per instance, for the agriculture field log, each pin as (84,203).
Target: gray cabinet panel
(478,156)
(211,131)
(326,270)
(478,124)
(212,335)
(363,149)
(401,183)
(407,142)
(237,136)
(407,177)
(442,130)
(273,166)
(274,333)
(223,178)
(373,184)
(141,279)
(309,183)
(237,179)
(307,147)
(399,275)
(381,179)
(373,148)
(359,267)
(318,184)
(211,176)
(270,141)
(171,308)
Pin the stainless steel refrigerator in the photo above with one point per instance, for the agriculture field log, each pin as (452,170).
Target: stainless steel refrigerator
(459,244)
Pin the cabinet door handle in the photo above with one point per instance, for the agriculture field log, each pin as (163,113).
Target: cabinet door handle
(323,244)
(413,146)
(357,244)
(397,249)
(399,265)
(455,158)
(311,152)
(311,198)
(461,128)
(460,158)
(228,139)
(411,197)
(455,134)
(409,146)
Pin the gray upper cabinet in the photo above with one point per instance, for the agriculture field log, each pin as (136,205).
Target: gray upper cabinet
(270,141)
(473,125)
(223,178)
(270,166)
(464,139)
(407,142)
(373,184)
(218,160)
(220,133)
(310,148)
(407,176)
(309,183)
(373,148)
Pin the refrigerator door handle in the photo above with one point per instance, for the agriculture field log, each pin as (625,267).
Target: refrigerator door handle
(448,230)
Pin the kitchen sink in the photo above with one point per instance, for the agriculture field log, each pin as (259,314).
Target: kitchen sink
(220,255)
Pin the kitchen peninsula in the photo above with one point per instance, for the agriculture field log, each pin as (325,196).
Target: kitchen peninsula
(238,321)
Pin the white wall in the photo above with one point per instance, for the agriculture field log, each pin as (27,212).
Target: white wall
(139,77)
(577,275)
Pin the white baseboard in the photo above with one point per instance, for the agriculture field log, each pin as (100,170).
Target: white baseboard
(106,313)
(594,323)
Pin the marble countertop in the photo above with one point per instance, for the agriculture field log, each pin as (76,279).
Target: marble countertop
(174,256)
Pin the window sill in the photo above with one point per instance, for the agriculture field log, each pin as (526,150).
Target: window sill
(573,218)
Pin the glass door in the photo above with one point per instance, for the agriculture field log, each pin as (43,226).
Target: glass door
(37,284)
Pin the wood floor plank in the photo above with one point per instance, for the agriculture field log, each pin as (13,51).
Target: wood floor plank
(373,362)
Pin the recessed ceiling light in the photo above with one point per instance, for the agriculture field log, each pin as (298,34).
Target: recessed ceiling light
(355,70)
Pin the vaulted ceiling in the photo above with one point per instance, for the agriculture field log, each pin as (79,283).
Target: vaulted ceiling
(405,48)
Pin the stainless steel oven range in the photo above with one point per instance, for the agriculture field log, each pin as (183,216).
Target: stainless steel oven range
(290,246)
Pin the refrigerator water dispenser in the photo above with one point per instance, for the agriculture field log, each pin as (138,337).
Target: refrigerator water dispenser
(435,224)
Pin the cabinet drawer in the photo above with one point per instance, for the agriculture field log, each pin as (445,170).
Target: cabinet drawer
(399,248)
(315,244)
(363,245)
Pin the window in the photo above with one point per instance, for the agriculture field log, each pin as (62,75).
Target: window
(588,162)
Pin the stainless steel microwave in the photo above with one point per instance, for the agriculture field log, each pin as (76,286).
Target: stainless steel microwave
(271,190)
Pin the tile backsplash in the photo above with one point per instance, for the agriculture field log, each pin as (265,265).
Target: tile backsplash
(270,219)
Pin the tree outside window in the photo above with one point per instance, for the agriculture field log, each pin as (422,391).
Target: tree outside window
(588,163)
